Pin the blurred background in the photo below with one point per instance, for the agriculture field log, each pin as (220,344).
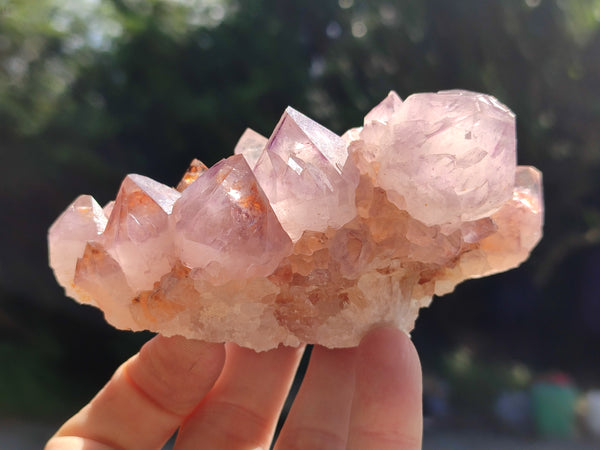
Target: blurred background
(91,90)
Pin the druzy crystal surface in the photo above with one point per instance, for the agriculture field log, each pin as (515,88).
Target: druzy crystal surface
(306,236)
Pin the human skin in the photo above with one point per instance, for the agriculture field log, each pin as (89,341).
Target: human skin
(222,396)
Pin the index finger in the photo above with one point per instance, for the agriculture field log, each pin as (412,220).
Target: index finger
(147,398)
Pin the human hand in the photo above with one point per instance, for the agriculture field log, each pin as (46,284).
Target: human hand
(228,397)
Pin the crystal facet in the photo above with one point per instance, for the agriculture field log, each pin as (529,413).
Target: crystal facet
(304,173)
(385,110)
(226,227)
(81,222)
(196,169)
(446,157)
(138,231)
(307,236)
(251,144)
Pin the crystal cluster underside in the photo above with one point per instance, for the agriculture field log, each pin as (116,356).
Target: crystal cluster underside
(309,237)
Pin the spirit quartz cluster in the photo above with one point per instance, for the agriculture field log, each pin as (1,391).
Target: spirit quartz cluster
(308,236)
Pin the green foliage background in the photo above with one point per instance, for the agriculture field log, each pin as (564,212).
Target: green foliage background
(92,90)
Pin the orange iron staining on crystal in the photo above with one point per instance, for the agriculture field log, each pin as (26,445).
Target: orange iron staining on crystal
(196,169)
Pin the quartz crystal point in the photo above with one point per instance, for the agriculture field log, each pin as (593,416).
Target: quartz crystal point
(100,280)
(138,234)
(81,222)
(251,144)
(304,173)
(384,110)
(225,226)
(196,169)
(309,237)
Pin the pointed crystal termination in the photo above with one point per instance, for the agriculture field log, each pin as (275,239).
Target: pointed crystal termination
(81,222)
(196,169)
(445,157)
(226,226)
(251,145)
(138,232)
(305,173)
(384,110)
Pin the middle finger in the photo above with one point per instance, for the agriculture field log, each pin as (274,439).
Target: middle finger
(242,409)
(320,413)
